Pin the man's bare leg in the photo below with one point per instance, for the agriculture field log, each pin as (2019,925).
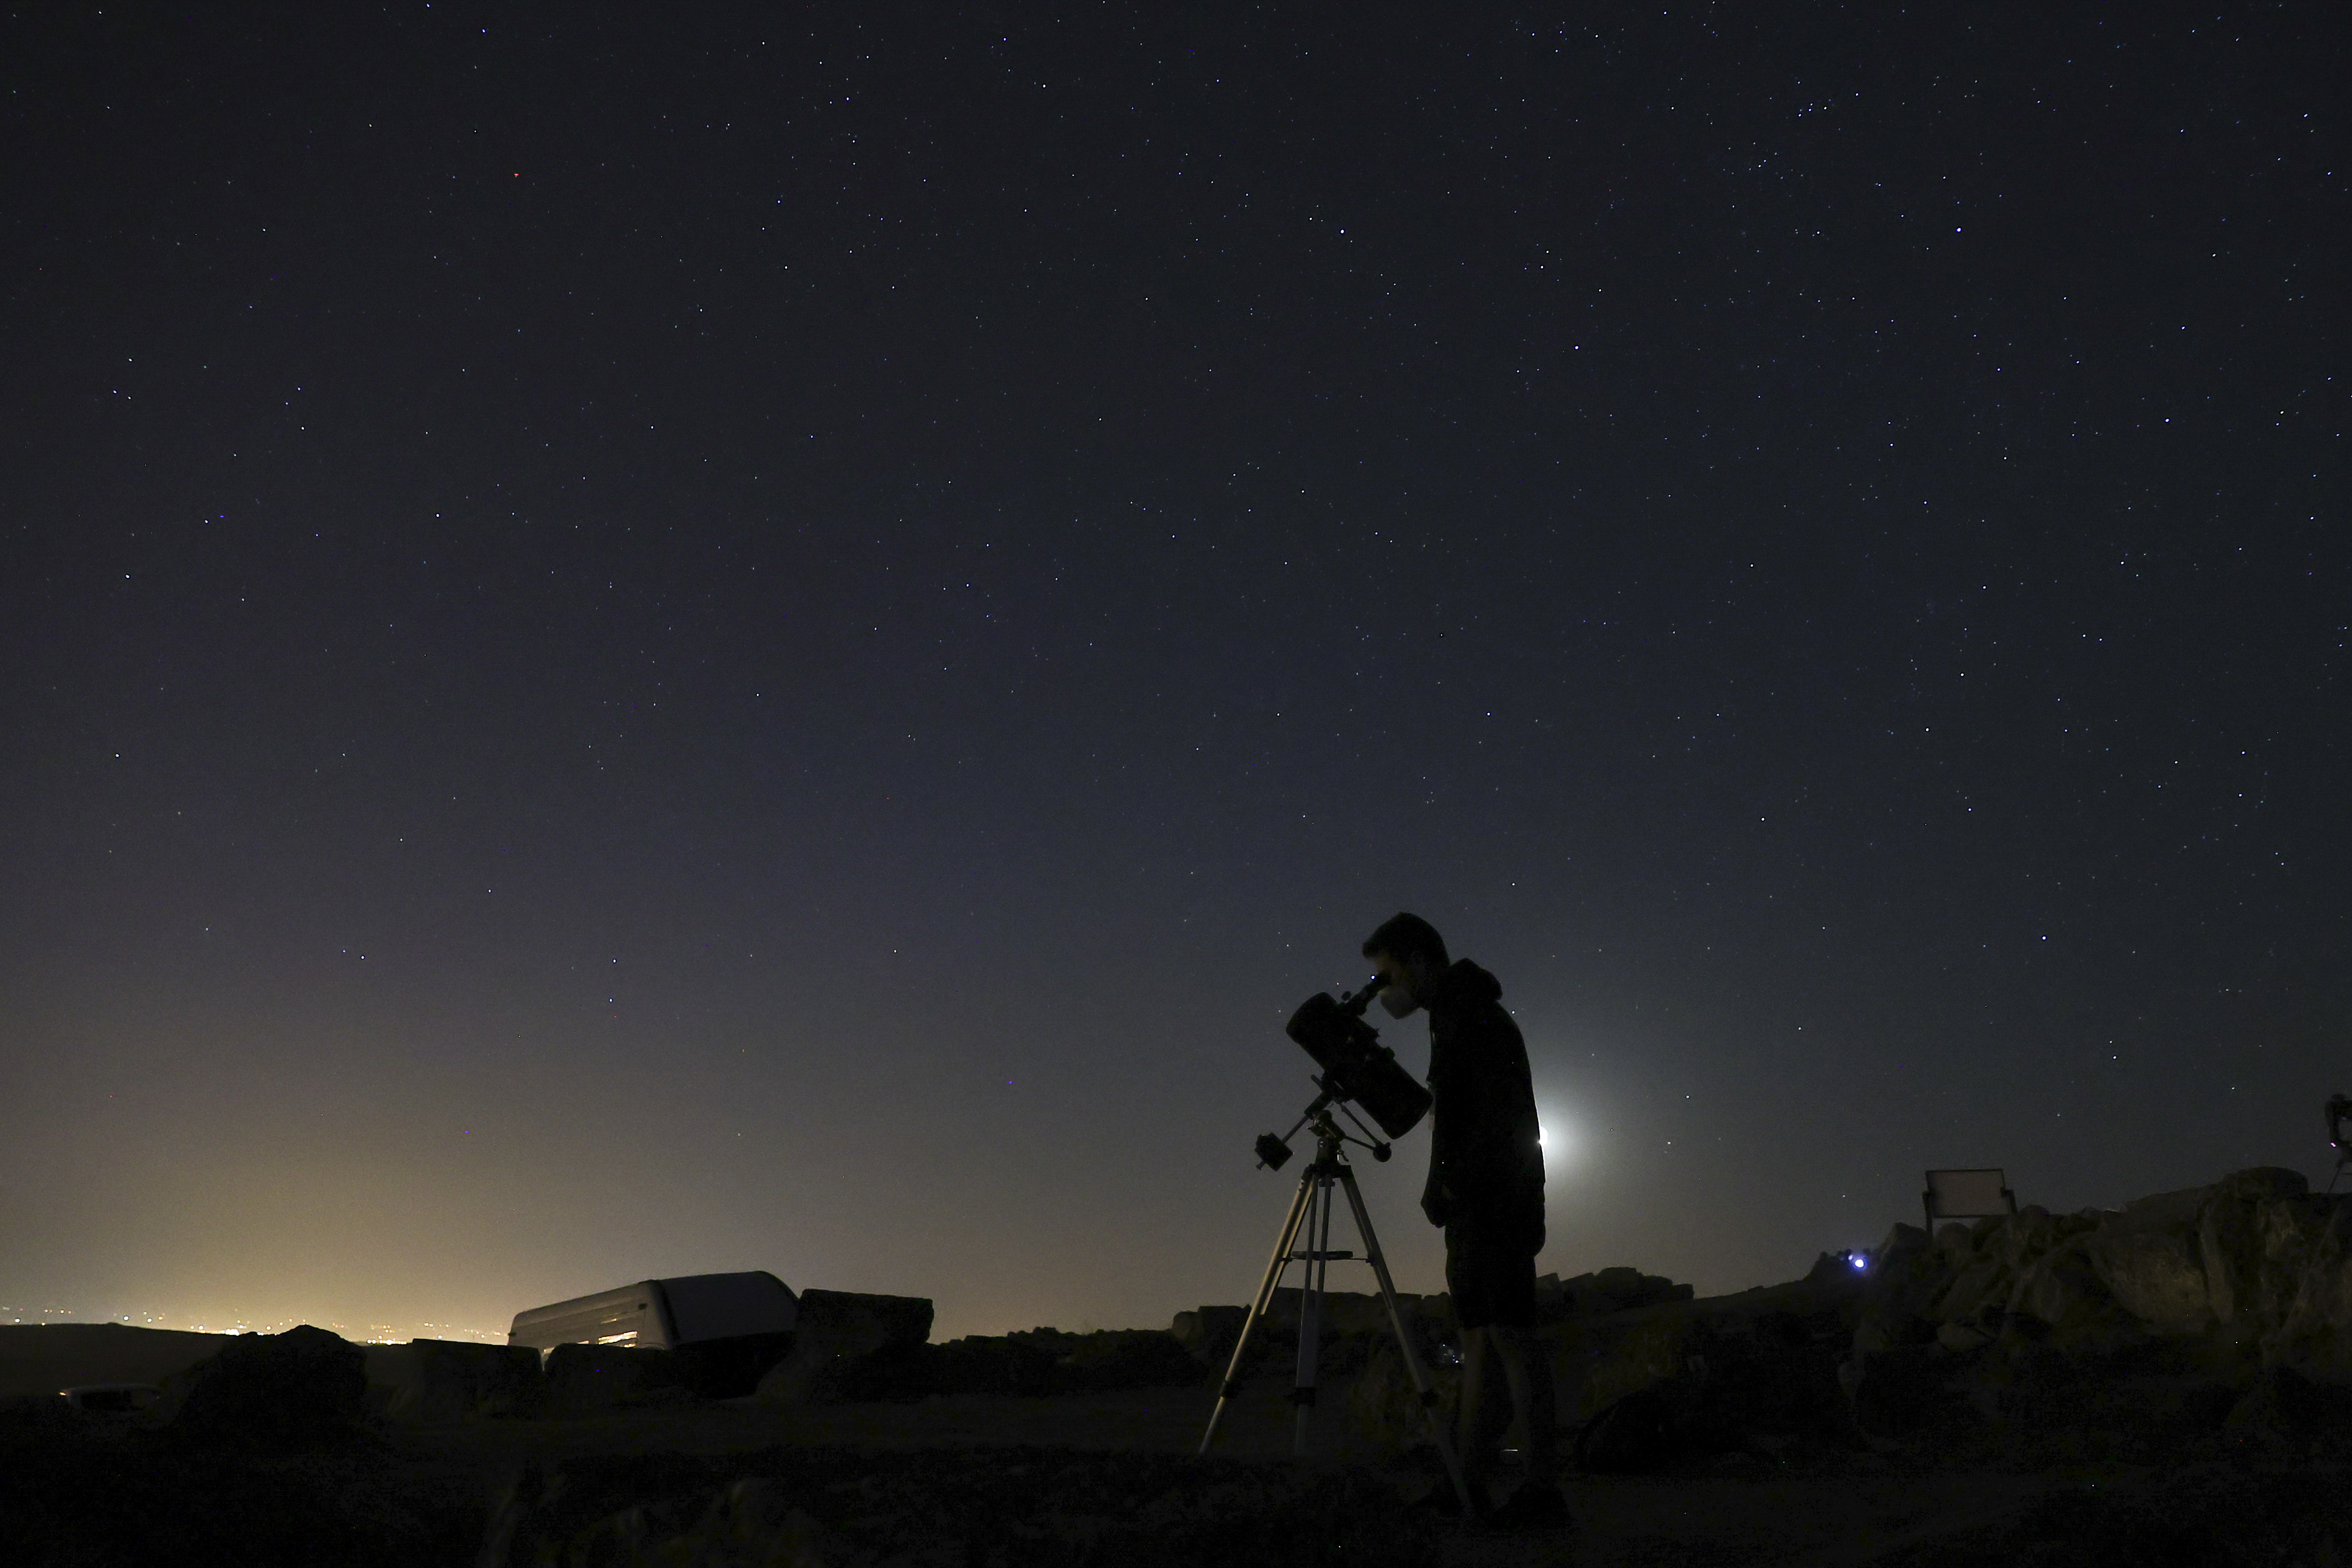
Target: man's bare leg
(1527,1374)
(1480,1419)
(1538,1504)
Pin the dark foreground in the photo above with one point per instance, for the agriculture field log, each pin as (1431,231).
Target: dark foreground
(2168,1383)
(981,1481)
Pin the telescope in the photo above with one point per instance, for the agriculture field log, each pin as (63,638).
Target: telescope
(1358,1070)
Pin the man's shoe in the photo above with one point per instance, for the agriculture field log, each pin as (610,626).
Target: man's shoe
(1535,1506)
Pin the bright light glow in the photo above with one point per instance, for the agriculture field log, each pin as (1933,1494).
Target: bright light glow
(1555,1135)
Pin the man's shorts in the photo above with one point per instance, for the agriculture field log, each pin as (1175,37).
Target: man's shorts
(1491,1274)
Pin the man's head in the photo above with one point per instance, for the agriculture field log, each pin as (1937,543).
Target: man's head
(1408,956)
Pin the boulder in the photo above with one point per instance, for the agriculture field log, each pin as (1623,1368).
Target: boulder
(1208,1334)
(1904,1394)
(1979,1291)
(1384,1407)
(1351,1321)
(590,1380)
(1665,1347)
(2294,1234)
(2157,1275)
(1003,1364)
(730,1367)
(2315,1330)
(1755,1376)
(1632,1434)
(1344,1312)
(1907,1276)
(2229,1241)
(297,1389)
(2285,1409)
(1620,1290)
(842,1344)
(2018,1239)
(2158,1211)
(1127,1358)
(448,1380)
(1961,1339)
(1047,1361)
(2061,1290)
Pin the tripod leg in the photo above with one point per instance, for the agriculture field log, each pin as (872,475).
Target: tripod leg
(1421,1386)
(1310,1312)
(1233,1384)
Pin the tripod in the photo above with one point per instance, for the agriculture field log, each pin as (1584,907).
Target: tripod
(1311,1216)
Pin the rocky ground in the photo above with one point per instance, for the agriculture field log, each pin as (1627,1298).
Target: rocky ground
(2161,1385)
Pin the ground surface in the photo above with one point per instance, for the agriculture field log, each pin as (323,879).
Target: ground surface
(1100,1479)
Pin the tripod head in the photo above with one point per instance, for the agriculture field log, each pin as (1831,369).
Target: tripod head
(1274,1152)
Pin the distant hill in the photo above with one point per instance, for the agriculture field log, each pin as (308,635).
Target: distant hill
(41,1358)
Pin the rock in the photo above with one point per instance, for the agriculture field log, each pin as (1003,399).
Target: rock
(2285,1408)
(1659,1349)
(2295,1232)
(1904,1393)
(2018,1239)
(1768,1382)
(2157,1275)
(1620,1284)
(1002,1364)
(1047,1361)
(1731,1377)
(297,1389)
(2315,1332)
(2158,1211)
(1127,1358)
(1901,1240)
(1637,1433)
(1831,1269)
(1616,1289)
(732,1366)
(1209,1333)
(1978,1291)
(1351,1321)
(837,1331)
(1956,1241)
(1960,1339)
(2061,1290)
(1383,1407)
(1906,1278)
(1344,1312)
(589,1380)
(2228,1234)
(448,1380)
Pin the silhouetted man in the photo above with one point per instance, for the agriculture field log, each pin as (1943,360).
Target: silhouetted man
(1486,1189)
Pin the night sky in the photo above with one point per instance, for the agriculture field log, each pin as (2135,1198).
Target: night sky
(646,641)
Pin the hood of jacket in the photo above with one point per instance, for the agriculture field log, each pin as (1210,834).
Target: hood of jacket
(1465,985)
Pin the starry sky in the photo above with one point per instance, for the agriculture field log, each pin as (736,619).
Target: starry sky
(650,641)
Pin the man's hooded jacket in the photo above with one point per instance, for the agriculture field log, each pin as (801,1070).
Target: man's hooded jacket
(1485,1162)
